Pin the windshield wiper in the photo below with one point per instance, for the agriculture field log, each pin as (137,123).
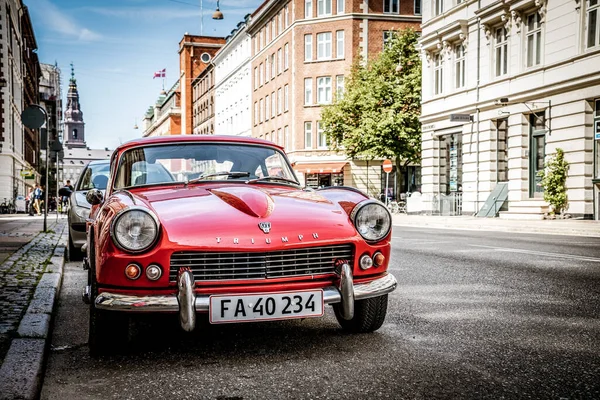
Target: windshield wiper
(230,174)
(273,178)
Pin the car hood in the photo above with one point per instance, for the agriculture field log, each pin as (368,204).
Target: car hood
(201,216)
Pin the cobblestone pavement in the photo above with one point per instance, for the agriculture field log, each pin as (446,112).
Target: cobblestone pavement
(21,271)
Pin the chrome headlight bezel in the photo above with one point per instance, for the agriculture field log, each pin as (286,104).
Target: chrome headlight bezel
(123,213)
(82,211)
(360,207)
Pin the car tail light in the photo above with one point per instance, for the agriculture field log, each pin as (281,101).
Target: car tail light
(366,262)
(153,272)
(133,271)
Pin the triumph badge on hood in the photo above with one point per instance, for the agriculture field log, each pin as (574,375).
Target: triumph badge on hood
(264,226)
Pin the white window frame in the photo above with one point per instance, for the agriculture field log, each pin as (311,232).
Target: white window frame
(268,34)
(286,56)
(533,48)
(324,8)
(267,108)
(261,74)
(279,101)
(324,90)
(261,110)
(391,6)
(339,86)
(286,136)
(255,113)
(273,104)
(308,89)
(308,47)
(459,65)
(287,16)
(438,74)
(280,137)
(438,7)
(387,37)
(500,64)
(267,69)
(339,44)
(273,66)
(324,46)
(279,61)
(321,137)
(420,3)
(592,31)
(308,9)
(308,135)
(255,78)
(341,5)
(286,98)
(280,22)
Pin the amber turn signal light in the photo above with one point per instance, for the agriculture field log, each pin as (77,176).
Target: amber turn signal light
(133,271)
(379,259)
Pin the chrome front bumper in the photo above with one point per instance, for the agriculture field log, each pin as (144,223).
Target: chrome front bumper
(187,303)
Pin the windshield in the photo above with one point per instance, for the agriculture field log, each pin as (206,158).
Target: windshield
(95,176)
(169,163)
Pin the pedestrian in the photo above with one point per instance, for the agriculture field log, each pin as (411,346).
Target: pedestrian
(29,202)
(37,198)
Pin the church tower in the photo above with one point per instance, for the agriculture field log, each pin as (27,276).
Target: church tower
(73,122)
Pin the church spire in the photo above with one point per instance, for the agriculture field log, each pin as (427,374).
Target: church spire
(74,125)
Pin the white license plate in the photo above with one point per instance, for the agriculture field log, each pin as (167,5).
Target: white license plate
(264,307)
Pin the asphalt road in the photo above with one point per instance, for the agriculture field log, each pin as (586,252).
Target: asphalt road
(476,315)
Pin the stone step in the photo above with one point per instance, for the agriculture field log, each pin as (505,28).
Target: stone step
(521,215)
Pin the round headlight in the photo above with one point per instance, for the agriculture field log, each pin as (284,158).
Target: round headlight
(82,212)
(372,220)
(134,230)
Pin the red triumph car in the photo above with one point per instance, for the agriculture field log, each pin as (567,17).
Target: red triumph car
(221,225)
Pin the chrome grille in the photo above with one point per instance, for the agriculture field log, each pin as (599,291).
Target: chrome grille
(274,264)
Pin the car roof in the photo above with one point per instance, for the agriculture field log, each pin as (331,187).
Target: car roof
(195,138)
(99,162)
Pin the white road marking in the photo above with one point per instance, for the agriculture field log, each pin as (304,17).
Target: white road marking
(540,253)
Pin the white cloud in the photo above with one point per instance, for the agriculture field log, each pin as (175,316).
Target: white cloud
(146,13)
(59,22)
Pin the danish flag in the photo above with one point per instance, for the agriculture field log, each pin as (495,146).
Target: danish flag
(160,74)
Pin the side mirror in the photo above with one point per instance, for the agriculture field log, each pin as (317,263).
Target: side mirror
(94,197)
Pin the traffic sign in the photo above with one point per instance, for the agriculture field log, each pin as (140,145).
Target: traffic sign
(387,166)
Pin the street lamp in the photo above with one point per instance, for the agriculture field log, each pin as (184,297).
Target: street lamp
(217,14)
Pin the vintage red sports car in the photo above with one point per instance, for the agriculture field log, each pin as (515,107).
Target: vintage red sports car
(220,225)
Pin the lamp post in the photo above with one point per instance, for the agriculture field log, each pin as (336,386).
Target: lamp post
(34,117)
(217,14)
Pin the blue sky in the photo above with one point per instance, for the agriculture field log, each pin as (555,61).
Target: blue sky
(116,46)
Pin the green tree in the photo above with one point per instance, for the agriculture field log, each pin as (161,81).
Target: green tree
(378,114)
(554,178)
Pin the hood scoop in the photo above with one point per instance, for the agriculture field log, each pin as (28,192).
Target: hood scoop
(251,201)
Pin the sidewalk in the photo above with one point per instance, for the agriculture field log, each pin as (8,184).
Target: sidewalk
(554,227)
(30,281)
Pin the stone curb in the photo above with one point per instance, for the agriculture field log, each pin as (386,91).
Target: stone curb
(521,228)
(22,370)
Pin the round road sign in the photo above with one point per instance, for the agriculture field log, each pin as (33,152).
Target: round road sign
(387,166)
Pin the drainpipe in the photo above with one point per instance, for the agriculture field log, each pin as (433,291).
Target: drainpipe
(477,103)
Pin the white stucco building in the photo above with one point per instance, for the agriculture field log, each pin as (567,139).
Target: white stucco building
(524,78)
(233,88)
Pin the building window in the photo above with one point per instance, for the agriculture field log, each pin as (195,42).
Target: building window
(502,150)
(267,108)
(268,66)
(286,56)
(261,74)
(273,104)
(387,38)
(308,135)
(279,101)
(324,46)
(459,65)
(307,47)
(261,110)
(438,7)
(308,100)
(501,51)
(308,12)
(339,86)
(323,8)
(280,137)
(279,61)
(286,98)
(534,40)
(391,6)
(417,7)
(593,24)
(321,137)
(324,90)
(287,16)
(438,73)
(280,22)
(268,34)
(340,6)
(273,29)
(273,66)
(286,134)
(339,44)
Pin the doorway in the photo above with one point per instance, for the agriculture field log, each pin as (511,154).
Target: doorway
(537,153)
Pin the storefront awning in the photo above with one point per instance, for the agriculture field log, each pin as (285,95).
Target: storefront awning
(320,168)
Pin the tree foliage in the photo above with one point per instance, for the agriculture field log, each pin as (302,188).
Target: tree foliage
(554,179)
(378,115)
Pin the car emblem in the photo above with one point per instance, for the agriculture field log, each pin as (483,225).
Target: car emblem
(264,226)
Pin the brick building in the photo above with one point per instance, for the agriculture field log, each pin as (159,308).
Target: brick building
(164,118)
(301,52)
(195,55)
(203,88)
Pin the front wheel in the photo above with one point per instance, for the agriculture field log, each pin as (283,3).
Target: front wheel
(369,315)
